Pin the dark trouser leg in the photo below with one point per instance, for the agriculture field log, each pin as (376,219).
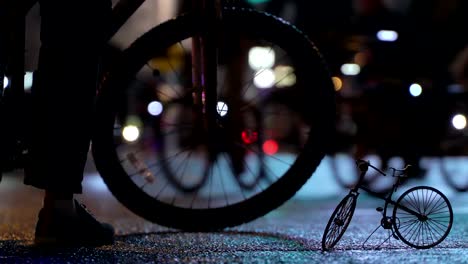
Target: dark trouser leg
(71,38)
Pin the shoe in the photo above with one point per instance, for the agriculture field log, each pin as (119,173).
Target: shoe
(63,229)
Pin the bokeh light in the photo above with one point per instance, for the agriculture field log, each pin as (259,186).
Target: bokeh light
(5,82)
(284,76)
(249,136)
(261,58)
(350,69)
(337,83)
(415,89)
(264,79)
(459,121)
(131,133)
(155,108)
(270,147)
(387,35)
(222,108)
(28,80)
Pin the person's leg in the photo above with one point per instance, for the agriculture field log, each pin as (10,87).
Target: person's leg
(63,95)
(71,37)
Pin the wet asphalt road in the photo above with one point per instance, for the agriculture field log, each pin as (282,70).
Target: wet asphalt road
(290,234)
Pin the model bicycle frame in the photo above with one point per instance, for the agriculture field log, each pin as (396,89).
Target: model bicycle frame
(408,211)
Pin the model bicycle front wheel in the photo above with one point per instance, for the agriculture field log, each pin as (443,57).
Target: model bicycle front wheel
(339,221)
(137,149)
(424,217)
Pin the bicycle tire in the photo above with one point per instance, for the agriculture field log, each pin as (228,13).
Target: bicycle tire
(307,60)
(339,222)
(440,214)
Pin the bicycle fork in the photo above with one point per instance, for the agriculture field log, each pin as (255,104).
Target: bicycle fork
(204,63)
(220,130)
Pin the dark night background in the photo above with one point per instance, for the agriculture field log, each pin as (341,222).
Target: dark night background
(384,115)
(375,108)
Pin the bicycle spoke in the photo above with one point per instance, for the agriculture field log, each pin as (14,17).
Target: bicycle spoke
(437,206)
(437,229)
(263,162)
(430,233)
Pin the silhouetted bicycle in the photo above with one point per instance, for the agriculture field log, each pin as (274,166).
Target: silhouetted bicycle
(186,133)
(422,216)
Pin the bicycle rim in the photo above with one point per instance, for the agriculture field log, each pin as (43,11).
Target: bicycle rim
(437,219)
(339,222)
(139,172)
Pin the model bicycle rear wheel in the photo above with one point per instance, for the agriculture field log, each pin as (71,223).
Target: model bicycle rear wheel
(247,166)
(339,221)
(433,222)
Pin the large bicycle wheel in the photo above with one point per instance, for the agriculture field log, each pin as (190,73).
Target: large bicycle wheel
(433,220)
(339,221)
(247,166)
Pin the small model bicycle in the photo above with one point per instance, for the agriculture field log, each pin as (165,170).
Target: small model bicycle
(422,216)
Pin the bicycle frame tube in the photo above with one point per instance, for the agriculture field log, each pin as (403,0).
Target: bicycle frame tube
(364,166)
(196,61)
(209,59)
(388,200)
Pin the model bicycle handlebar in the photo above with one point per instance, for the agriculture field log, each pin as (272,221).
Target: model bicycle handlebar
(363,166)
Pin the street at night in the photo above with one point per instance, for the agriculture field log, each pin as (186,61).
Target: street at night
(290,234)
(229,131)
